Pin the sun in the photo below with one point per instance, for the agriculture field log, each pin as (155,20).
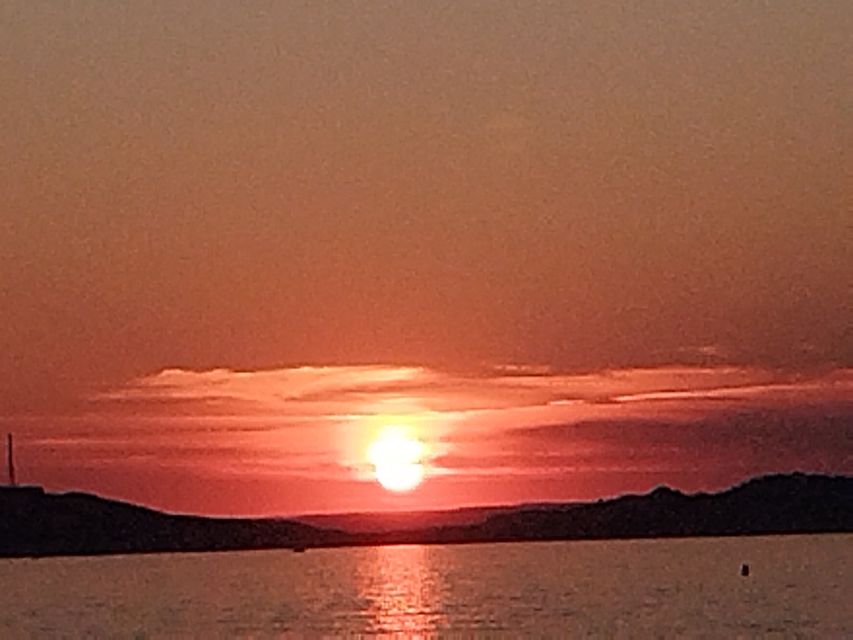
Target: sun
(397,459)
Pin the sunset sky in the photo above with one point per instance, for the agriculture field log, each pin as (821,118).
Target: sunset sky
(573,248)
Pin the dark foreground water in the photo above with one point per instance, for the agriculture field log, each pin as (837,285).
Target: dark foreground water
(799,586)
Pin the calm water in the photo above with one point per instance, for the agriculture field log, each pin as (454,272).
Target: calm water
(800,587)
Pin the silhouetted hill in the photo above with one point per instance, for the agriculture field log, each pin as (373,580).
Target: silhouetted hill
(795,503)
(403,520)
(34,523)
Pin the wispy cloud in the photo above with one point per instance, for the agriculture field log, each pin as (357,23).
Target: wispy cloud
(364,390)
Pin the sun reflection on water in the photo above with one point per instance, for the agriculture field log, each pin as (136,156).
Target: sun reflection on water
(402,590)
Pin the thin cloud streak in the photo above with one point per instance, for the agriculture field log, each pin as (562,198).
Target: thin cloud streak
(304,390)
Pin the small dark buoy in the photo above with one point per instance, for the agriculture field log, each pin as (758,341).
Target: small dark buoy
(744,569)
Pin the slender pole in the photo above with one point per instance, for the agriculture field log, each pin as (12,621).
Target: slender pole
(10,460)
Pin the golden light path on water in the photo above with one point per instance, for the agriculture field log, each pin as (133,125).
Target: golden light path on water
(402,589)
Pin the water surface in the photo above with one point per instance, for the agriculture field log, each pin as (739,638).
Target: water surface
(799,587)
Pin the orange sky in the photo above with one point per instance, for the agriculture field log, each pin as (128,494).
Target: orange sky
(196,188)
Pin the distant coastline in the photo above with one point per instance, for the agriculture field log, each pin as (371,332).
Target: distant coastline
(35,523)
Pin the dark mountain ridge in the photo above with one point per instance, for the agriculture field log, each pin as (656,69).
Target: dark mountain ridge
(36,523)
(766,505)
(366,522)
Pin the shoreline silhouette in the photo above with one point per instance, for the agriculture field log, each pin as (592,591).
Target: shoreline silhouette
(35,523)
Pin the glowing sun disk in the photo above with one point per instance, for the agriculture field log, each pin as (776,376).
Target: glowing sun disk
(397,460)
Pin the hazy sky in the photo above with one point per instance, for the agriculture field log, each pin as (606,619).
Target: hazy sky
(252,186)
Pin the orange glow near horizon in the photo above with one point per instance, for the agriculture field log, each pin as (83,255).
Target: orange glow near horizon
(298,440)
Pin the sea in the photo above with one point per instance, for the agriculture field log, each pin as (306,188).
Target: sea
(797,587)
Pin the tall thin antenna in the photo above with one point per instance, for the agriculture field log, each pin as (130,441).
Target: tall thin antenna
(10,460)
